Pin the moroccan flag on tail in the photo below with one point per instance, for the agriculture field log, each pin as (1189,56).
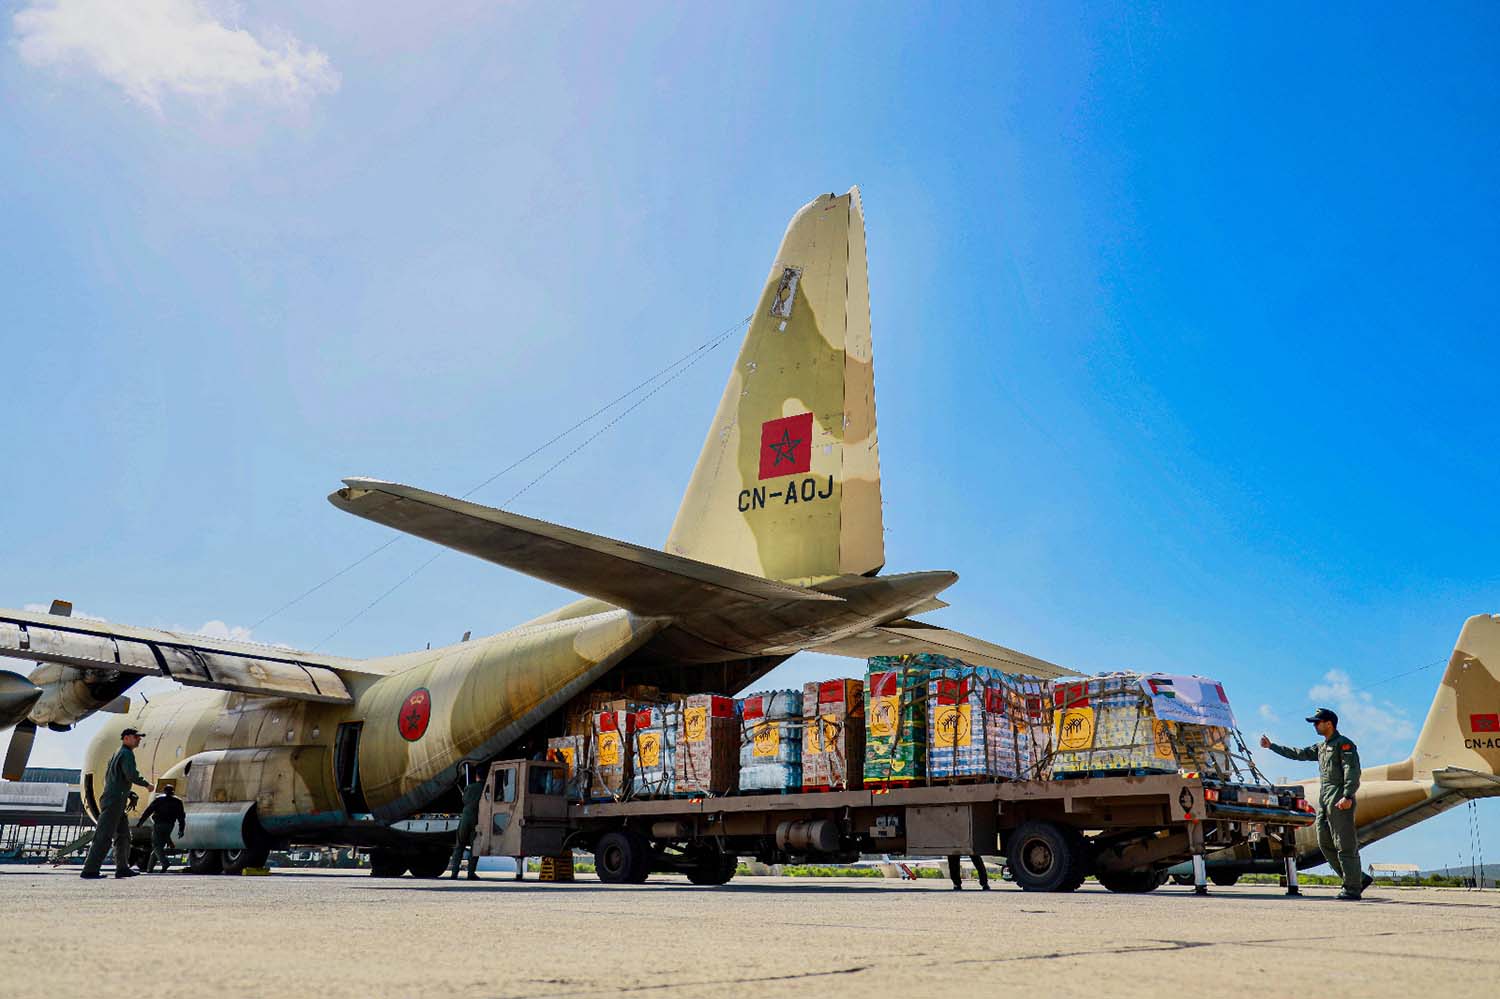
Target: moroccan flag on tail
(786,446)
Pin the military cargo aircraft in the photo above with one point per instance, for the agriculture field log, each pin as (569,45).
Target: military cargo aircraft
(777,547)
(1454,760)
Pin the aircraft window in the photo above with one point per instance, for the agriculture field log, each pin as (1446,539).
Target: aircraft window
(507,785)
(545,780)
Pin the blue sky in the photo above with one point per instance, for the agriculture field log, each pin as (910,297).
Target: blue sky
(1184,336)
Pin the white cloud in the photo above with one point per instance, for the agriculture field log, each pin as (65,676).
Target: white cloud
(1360,715)
(1268,714)
(152,49)
(218,629)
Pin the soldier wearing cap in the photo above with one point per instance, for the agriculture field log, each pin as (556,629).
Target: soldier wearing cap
(1338,773)
(114,825)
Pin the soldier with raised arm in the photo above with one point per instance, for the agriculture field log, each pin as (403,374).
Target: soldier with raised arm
(1338,775)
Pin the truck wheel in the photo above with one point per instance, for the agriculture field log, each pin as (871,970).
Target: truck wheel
(622,858)
(1224,879)
(387,864)
(1045,857)
(714,868)
(235,861)
(205,861)
(1132,882)
(428,865)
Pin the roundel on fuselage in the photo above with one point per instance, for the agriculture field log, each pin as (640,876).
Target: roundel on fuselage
(415,712)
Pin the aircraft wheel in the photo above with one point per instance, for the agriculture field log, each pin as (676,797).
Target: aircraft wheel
(387,864)
(235,861)
(1044,856)
(622,858)
(1224,879)
(1132,882)
(428,865)
(205,861)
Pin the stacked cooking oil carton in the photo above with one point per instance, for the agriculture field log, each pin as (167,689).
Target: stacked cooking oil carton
(896,718)
(982,722)
(653,757)
(610,759)
(771,741)
(708,746)
(1140,723)
(1018,722)
(958,733)
(833,735)
(598,742)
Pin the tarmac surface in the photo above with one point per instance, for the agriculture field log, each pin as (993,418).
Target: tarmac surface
(344,933)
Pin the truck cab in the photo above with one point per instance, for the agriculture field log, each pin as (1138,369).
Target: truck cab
(524,811)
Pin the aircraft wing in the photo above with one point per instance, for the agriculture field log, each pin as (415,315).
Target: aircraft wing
(194,660)
(906,636)
(642,580)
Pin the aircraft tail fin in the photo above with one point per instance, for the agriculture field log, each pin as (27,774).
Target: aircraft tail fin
(1463,725)
(787,486)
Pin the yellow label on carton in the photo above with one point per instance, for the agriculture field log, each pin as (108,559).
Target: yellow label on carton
(609,749)
(952,726)
(821,734)
(1075,729)
(568,754)
(767,739)
(695,723)
(883,714)
(1161,738)
(648,744)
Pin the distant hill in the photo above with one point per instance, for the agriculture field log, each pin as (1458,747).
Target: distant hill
(1490,872)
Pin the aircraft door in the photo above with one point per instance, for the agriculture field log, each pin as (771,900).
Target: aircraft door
(346,768)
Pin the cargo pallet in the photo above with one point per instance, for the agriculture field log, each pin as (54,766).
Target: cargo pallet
(895,783)
(1125,829)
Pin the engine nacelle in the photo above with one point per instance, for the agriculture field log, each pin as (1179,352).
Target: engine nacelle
(72,693)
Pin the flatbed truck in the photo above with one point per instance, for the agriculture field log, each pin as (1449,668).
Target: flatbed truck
(1125,830)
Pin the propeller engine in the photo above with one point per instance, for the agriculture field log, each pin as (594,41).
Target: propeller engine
(55,696)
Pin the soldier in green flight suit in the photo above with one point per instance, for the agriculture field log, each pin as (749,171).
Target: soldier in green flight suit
(467,820)
(113,826)
(1338,773)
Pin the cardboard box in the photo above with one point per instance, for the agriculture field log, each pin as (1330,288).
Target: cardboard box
(833,734)
(708,746)
(609,755)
